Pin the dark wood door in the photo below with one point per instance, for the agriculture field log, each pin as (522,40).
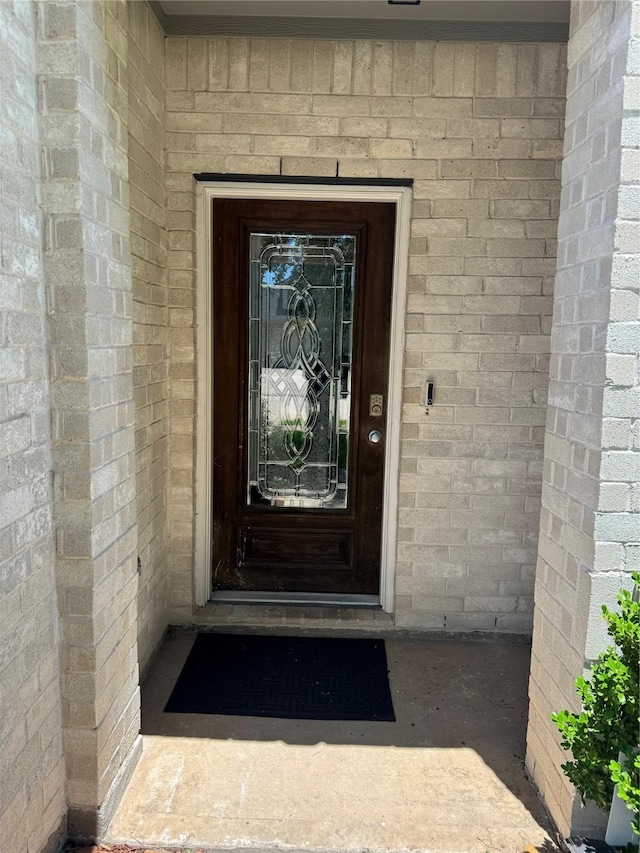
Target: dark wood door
(301,304)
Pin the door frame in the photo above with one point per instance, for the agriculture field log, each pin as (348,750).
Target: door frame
(206,191)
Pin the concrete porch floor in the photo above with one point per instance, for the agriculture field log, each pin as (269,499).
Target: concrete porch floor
(446,776)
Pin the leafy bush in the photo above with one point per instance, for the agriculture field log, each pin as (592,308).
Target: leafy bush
(609,721)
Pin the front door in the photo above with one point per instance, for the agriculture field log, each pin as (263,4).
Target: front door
(302,304)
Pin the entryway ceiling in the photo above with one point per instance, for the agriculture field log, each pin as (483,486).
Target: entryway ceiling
(502,20)
(429,10)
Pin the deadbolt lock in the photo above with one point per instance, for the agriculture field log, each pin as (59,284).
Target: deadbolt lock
(375,405)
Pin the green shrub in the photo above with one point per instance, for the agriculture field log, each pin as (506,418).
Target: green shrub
(609,721)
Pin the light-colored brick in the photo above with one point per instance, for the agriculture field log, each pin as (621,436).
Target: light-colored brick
(587,510)
(151,297)
(309,166)
(408,110)
(32,798)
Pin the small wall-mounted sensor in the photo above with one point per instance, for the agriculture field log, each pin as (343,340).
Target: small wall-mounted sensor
(429,395)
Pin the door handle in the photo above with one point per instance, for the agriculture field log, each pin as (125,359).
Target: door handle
(375,436)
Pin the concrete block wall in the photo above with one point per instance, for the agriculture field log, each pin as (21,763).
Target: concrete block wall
(145,71)
(478,128)
(590,521)
(32,799)
(85,199)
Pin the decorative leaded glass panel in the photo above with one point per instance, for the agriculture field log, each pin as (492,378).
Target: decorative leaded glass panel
(300,315)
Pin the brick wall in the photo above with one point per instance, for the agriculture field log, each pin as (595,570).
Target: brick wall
(149,282)
(590,522)
(617,519)
(478,128)
(32,804)
(83,57)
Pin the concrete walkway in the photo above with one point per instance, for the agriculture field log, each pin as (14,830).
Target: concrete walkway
(446,776)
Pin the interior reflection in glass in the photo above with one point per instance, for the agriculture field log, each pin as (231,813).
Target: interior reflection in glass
(300,336)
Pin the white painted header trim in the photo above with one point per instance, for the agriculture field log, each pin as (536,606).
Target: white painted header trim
(303,192)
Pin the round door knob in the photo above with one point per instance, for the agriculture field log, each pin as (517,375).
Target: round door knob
(375,436)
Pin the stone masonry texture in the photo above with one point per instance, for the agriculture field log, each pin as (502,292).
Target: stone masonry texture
(85,199)
(590,521)
(150,317)
(478,127)
(32,798)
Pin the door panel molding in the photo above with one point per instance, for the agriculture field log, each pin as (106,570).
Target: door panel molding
(206,192)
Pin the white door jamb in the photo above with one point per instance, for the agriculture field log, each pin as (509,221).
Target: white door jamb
(206,192)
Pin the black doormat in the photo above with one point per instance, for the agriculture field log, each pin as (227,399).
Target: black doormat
(302,678)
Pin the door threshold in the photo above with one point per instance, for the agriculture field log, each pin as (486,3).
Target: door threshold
(317,599)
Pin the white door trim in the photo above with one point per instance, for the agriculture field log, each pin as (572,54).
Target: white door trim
(206,192)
